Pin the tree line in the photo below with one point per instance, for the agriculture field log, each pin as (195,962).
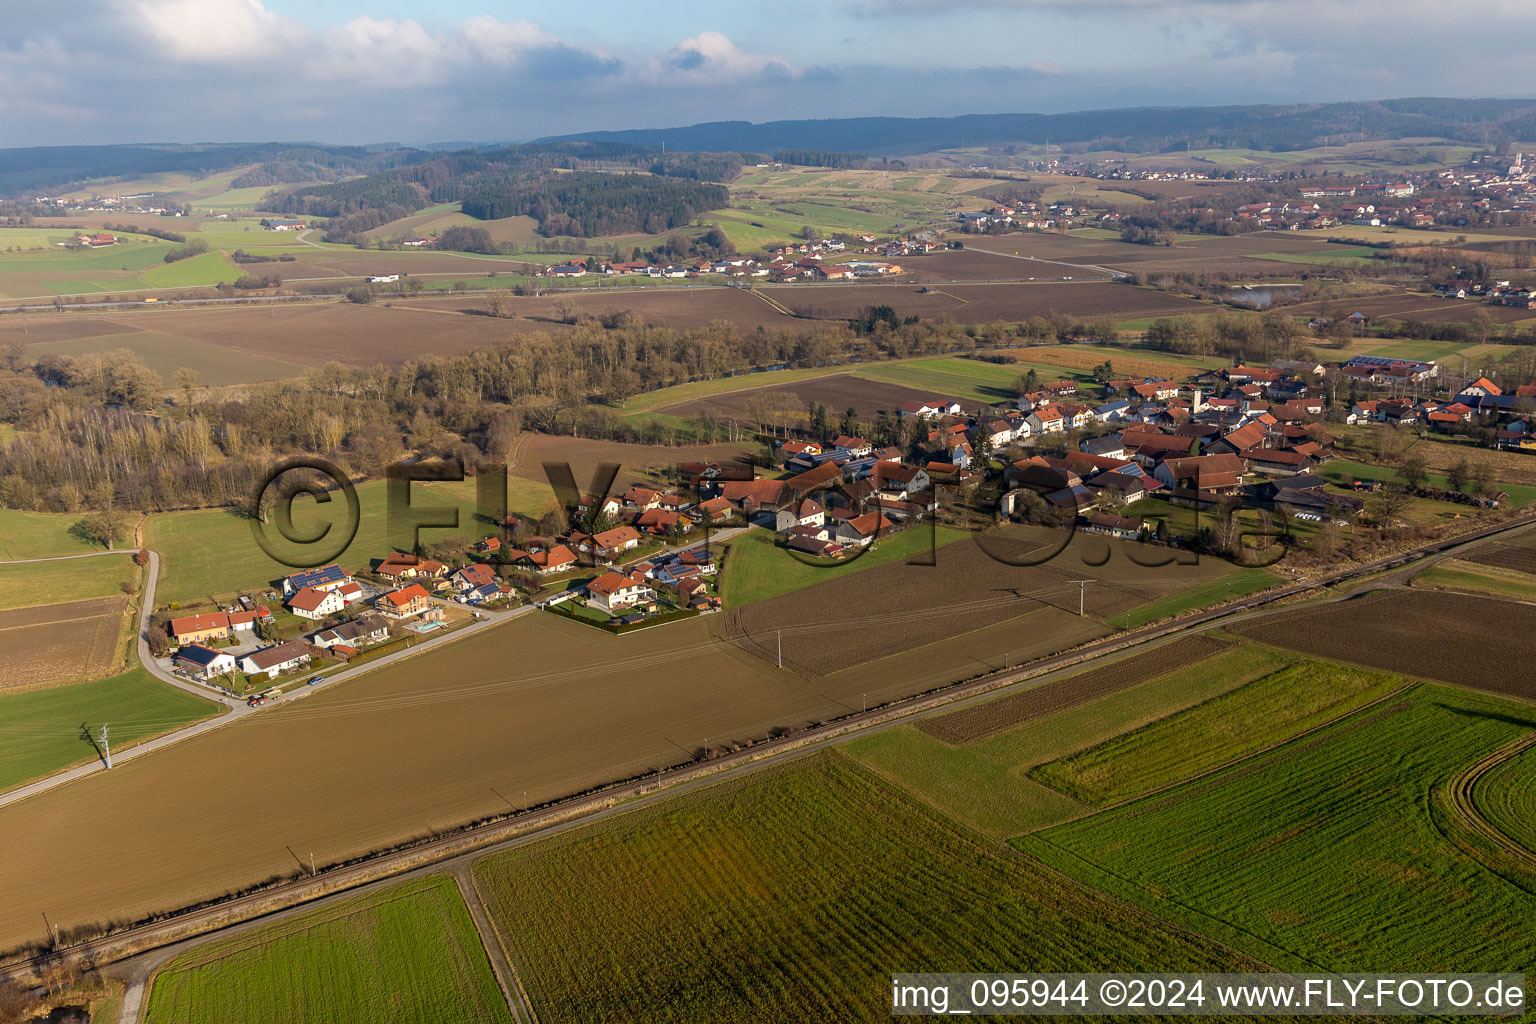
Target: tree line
(100,434)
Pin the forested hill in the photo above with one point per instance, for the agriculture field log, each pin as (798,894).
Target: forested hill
(49,167)
(1145,130)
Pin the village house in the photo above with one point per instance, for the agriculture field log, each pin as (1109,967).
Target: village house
(310,603)
(806,513)
(1218,474)
(403,604)
(614,592)
(204,663)
(546,561)
(327,577)
(356,633)
(274,661)
(472,577)
(397,566)
(198,629)
(861,531)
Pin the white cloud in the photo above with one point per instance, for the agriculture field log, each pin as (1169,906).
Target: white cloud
(215,31)
(712,55)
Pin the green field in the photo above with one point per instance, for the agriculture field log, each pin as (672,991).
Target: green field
(41,730)
(29,583)
(789,895)
(40,535)
(1259,714)
(212,553)
(1338,851)
(1235,582)
(210,268)
(756,569)
(963,378)
(1354,256)
(986,784)
(1506,797)
(719,386)
(1476,578)
(404,954)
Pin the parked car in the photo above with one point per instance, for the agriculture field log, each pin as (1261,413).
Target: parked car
(316,681)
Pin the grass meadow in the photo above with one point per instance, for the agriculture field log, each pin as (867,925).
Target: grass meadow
(790,895)
(40,535)
(408,953)
(44,731)
(1235,724)
(757,569)
(1337,851)
(986,784)
(24,584)
(1476,578)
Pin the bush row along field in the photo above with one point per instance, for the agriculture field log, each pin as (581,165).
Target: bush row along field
(790,895)
(1341,470)
(1473,577)
(78,579)
(1234,725)
(986,784)
(1335,852)
(57,643)
(408,953)
(47,730)
(1412,632)
(983,721)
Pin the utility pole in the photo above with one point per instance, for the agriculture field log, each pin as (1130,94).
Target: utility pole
(1082,596)
(781,647)
(106,748)
(312,871)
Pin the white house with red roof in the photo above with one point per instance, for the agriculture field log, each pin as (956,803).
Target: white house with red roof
(613,592)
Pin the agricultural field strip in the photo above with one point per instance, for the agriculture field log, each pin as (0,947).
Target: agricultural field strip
(1262,714)
(983,721)
(1283,879)
(968,691)
(648,878)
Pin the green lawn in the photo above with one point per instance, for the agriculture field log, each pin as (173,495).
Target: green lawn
(41,730)
(1339,851)
(1261,713)
(408,953)
(77,579)
(789,895)
(40,535)
(1355,256)
(756,569)
(986,784)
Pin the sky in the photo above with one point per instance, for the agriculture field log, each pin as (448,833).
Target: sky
(360,71)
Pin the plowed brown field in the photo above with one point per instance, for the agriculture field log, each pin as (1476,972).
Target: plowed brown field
(1471,641)
(55,642)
